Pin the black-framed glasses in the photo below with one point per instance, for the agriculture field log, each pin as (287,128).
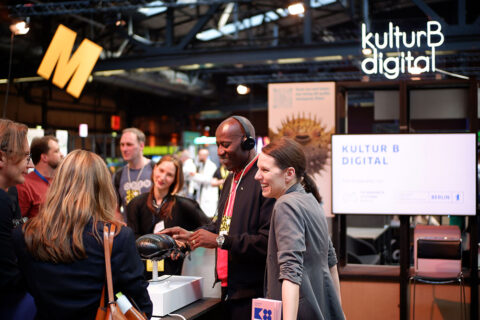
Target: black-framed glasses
(29,157)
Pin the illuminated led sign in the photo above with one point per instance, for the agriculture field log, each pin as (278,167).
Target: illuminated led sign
(402,43)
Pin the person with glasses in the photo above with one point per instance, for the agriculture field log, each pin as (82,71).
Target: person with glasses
(14,163)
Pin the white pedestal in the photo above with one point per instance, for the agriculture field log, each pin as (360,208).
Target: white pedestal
(201,263)
(174,293)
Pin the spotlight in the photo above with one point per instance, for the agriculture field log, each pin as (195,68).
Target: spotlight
(367,51)
(120,22)
(19,28)
(296,9)
(242,89)
(415,70)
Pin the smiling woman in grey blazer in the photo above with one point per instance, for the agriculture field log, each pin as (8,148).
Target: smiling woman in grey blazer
(299,248)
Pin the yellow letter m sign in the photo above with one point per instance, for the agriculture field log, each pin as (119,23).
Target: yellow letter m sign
(78,67)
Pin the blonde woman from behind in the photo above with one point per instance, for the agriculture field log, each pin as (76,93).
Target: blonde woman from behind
(60,251)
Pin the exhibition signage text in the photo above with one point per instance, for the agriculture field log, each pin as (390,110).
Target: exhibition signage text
(403,44)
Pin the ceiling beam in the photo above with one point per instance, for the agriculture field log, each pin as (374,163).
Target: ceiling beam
(89,6)
(228,57)
(346,49)
(198,26)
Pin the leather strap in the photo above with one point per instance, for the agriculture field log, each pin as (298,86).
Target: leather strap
(108,235)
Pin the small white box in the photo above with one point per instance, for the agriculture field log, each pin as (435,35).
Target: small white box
(171,293)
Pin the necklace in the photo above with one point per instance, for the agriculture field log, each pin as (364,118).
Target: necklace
(226,220)
(134,189)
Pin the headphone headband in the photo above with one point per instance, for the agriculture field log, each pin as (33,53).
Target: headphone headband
(249,142)
(243,124)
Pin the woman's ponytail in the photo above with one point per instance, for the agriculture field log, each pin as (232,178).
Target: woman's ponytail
(311,187)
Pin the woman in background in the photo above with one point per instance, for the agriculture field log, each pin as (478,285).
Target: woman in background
(298,268)
(162,208)
(14,163)
(61,253)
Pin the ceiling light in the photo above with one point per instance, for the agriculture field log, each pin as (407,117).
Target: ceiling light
(367,51)
(415,70)
(19,28)
(290,60)
(242,89)
(153,8)
(225,15)
(328,58)
(296,9)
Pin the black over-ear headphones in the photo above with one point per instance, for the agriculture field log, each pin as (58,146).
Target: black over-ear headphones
(249,142)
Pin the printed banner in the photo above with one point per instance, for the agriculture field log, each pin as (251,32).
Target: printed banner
(305,112)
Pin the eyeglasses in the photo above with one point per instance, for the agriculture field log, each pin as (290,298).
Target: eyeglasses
(28,155)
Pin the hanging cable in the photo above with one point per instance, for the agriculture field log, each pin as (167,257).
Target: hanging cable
(4,114)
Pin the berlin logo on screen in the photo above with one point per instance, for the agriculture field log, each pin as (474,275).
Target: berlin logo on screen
(395,41)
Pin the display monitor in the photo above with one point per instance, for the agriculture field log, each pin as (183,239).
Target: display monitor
(431,174)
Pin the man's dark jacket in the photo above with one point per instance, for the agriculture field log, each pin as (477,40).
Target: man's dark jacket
(247,239)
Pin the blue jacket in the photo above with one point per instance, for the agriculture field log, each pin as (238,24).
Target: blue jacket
(73,290)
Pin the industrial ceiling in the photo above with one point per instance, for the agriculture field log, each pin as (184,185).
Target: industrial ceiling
(193,52)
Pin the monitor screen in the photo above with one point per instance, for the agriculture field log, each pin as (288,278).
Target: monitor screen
(431,174)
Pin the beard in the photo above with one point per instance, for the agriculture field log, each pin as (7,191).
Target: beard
(53,164)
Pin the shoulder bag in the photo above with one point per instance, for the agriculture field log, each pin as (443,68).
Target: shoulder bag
(112,311)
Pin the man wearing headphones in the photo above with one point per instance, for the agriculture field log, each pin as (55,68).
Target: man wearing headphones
(240,232)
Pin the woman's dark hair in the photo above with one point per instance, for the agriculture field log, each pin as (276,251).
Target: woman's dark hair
(288,153)
(177,184)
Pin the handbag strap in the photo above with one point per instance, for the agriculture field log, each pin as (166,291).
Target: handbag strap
(108,235)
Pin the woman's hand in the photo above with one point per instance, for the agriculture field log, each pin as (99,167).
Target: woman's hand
(290,299)
(177,233)
(182,250)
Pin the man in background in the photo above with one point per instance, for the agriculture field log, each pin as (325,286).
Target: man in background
(219,178)
(205,193)
(134,178)
(188,167)
(46,157)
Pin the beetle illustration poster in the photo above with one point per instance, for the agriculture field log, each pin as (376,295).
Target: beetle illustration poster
(305,112)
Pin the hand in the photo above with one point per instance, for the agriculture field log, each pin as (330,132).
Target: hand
(177,233)
(203,238)
(182,248)
(181,244)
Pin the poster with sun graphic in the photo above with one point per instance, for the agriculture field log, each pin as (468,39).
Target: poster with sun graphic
(305,112)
